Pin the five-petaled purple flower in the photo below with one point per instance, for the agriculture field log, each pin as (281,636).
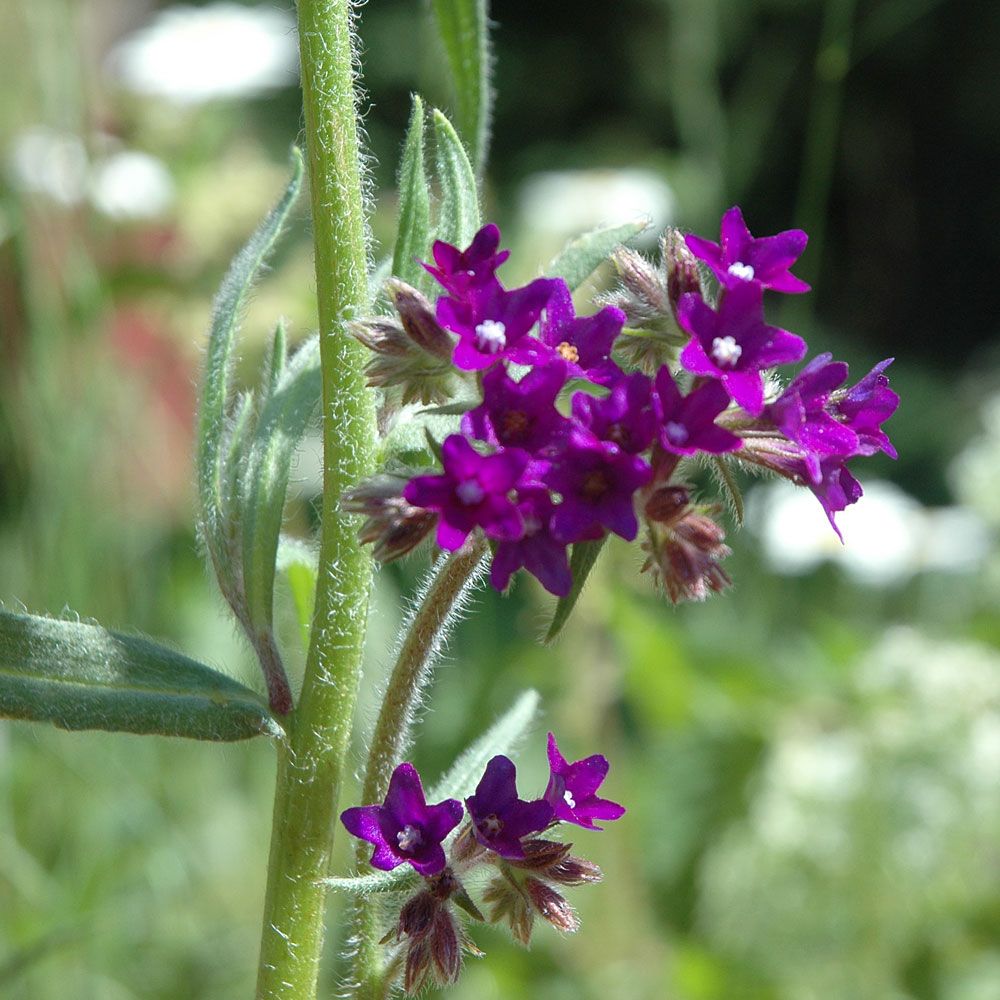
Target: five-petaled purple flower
(734,344)
(473,491)
(405,829)
(738,257)
(536,550)
(572,787)
(499,818)
(687,423)
(469,271)
(865,406)
(625,417)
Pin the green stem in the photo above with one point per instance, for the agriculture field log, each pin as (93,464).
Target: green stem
(441,602)
(311,764)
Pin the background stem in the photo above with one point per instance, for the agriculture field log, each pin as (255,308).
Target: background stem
(311,764)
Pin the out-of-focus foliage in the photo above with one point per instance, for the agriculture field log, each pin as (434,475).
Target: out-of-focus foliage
(810,762)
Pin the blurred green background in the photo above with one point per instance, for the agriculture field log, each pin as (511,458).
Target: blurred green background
(810,761)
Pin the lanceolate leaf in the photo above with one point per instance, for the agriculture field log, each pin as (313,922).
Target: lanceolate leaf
(582,256)
(414,227)
(464,29)
(376,881)
(230,303)
(81,676)
(300,564)
(581,563)
(282,421)
(502,737)
(458,215)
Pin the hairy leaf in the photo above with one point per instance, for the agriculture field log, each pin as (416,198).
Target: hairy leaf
(413,234)
(80,676)
(376,881)
(300,564)
(583,255)
(581,563)
(723,471)
(463,26)
(458,213)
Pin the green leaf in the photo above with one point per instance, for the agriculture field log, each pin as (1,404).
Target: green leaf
(458,213)
(230,303)
(365,885)
(300,564)
(450,409)
(407,440)
(413,234)
(276,360)
(580,564)
(81,676)
(582,256)
(282,422)
(502,737)
(463,26)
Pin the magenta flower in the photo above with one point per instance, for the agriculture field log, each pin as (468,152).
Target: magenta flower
(802,414)
(571,789)
(472,492)
(584,342)
(469,271)
(404,829)
(735,344)
(865,406)
(493,324)
(624,418)
(835,487)
(687,423)
(519,414)
(738,257)
(536,550)
(499,818)
(597,481)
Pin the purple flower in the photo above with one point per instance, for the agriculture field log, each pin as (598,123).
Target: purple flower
(499,818)
(404,829)
(735,344)
(625,417)
(597,480)
(571,789)
(493,324)
(473,491)
(835,487)
(519,414)
(584,342)
(865,406)
(687,423)
(802,414)
(536,551)
(469,271)
(738,257)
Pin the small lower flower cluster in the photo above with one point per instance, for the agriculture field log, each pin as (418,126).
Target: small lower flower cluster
(580,424)
(501,836)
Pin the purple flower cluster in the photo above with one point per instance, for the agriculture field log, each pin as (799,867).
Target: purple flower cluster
(406,830)
(566,446)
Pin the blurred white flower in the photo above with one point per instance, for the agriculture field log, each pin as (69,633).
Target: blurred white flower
(188,55)
(888,535)
(565,203)
(49,162)
(131,185)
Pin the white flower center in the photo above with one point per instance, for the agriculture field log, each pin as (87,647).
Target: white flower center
(491,336)
(568,799)
(470,492)
(742,271)
(676,433)
(491,825)
(726,351)
(409,838)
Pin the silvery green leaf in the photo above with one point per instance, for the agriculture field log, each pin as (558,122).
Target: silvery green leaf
(408,437)
(458,213)
(275,360)
(80,676)
(300,564)
(463,26)
(583,255)
(376,881)
(213,409)
(581,562)
(413,233)
(502,737)
(280,426)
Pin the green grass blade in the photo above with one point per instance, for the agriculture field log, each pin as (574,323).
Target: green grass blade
(80,676)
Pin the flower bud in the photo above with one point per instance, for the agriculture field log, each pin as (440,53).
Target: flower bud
(416,916)
(444,947)
(575,871)
(510,904)
(681,265)
(684,555)
(540,855)
(392,525)
(418,961)
(419,321)
(551,905)
(667,503)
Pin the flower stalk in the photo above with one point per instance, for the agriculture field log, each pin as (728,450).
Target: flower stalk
(311,762)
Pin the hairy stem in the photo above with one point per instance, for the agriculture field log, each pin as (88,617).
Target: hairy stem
(424,633)
(311,764)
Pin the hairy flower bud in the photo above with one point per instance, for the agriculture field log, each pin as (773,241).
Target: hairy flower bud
(446,952)
(684,554)
(393,525)
(681,266)
(418,962)
(418,319)
(574,871)
(551,905)
(540,855)
(509,903)
(667,503)
(416,916)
